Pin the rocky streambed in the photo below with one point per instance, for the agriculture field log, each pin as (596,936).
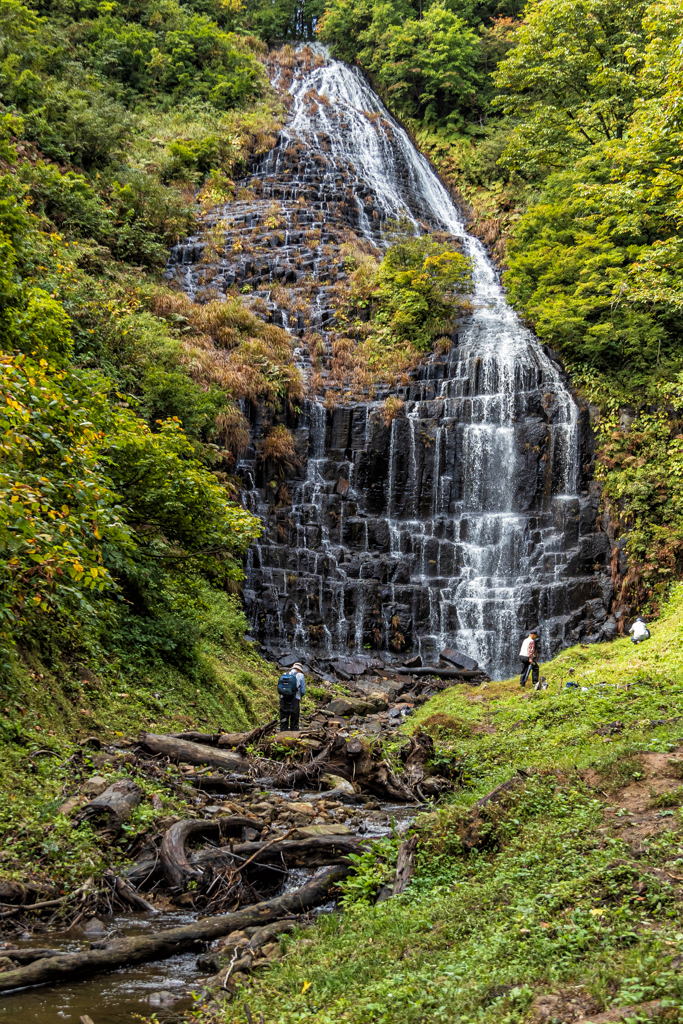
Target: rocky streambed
(266,826)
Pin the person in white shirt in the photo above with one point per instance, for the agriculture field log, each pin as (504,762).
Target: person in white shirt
(527,656)
(639,631)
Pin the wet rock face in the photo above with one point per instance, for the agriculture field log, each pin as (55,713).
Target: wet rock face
(466,519)
(387,565)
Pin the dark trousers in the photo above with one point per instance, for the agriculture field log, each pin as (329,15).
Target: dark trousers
(527,667)
(289,714)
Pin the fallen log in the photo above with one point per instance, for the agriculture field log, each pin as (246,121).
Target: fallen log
(209,739)
(192,753)
(113,807)
(173,856)
(27,956)
(226,739)
(443,673)
(119,952)
(219,784)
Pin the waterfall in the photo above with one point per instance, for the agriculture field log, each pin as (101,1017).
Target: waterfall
(462,524)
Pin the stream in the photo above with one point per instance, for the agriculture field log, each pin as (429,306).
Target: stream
(164,987)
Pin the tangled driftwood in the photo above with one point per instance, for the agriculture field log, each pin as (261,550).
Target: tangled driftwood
(115,953)
(173,855)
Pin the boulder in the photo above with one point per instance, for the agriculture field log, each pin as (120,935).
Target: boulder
(350,667)
(349,706)
(336,782)
(328,829)
(390,688)
(459,660)
(68,805)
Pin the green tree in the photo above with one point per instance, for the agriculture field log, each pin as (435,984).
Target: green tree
(572,77)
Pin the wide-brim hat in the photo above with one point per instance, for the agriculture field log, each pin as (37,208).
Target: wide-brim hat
(297,666)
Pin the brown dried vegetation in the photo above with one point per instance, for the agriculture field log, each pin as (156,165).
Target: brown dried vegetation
(224,343)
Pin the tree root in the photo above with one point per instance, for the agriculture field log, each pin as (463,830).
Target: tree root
(119,952)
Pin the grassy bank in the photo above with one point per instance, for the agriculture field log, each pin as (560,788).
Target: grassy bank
(569,902)
(53,717)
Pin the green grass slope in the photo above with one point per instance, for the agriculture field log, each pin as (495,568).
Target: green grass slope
(568,905)
(49,718)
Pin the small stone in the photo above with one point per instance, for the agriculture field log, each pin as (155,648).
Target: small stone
(271,950)
(68,805)
(163,998)
(302,808)
(94,787)
(327,829)
(94,927)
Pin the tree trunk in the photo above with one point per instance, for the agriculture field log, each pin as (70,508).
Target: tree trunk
(119,952)
(209,739)
(192,753)
(173,856)
(219,784)
(111,808)
(405,865)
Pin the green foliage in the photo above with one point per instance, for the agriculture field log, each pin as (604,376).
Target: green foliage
(430,61)
(419,281)
(372,869)
(570,261)
(428,66)
(405,305)
(571,77)
(642,476)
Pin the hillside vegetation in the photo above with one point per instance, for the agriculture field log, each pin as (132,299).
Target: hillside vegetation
(119,530)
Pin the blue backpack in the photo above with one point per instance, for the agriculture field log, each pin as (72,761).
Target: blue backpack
(287,684)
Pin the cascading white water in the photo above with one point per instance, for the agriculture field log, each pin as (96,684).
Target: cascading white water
(483,601)
(460,525)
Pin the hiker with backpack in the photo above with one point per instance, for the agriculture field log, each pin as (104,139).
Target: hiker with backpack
(291,686)
(639,630)
(527,656)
